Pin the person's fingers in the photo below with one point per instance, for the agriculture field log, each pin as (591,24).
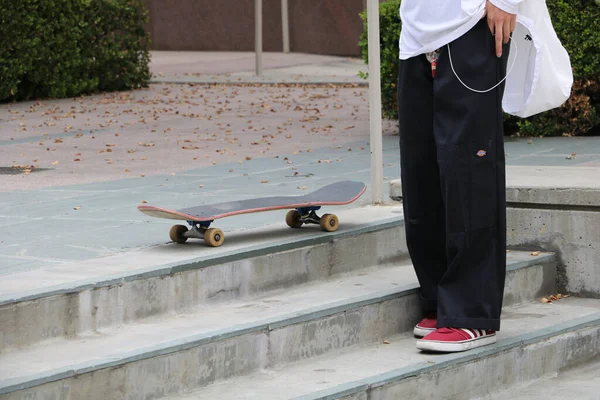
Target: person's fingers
(499,38)
(506,32)
(490,23)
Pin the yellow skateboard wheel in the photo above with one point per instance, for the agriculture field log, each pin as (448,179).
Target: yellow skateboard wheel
(214,237)
(329,222)
(293,219)
(177,233)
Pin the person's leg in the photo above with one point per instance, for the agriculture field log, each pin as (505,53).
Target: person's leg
(468,131)
(424,213)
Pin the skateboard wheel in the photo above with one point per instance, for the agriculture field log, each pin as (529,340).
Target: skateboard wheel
(293,219)
(214,237)
(177,233)
(329,223)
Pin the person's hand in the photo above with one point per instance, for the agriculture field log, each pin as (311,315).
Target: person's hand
(501,24)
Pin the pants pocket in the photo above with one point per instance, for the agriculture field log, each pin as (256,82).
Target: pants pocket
(482,187)
(469,186)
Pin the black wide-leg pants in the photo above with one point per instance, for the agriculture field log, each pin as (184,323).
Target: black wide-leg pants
(453,179)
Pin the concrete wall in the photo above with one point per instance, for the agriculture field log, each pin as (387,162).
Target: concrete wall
(316,26)
(561,220)
(566,221)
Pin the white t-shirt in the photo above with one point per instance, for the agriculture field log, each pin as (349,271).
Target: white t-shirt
(428,25)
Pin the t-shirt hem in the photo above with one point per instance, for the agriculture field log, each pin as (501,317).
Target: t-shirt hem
(444,40)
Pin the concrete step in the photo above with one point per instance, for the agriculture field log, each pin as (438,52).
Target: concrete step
(536,339)
(182,351)
(81,298)
(579,382)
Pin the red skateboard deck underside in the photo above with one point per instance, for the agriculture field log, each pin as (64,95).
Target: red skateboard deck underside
(338,193)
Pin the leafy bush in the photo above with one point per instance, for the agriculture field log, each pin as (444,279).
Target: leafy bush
(65,48)
(577,24)
(389,35)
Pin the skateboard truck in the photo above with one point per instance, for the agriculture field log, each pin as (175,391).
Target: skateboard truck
(307,215)
(199,230)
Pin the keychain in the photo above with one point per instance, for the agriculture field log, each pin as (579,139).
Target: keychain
(432,58)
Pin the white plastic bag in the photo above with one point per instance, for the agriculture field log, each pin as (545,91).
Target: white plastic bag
(542,76)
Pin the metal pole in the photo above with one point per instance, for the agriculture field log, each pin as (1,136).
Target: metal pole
(285,25)
(375,102)
(258,45)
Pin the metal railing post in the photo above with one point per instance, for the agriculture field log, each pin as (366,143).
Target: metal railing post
(258,39)
(375,102)
(285,25)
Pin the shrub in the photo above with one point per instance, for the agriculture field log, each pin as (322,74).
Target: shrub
(65,48)
(577,24)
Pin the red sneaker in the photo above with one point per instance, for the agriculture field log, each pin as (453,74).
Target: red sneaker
(426,326)
(450,340)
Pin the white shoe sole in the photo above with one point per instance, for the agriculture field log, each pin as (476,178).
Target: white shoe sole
(422,332)
(452,347)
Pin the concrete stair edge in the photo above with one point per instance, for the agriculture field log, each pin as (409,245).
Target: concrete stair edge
(118,300)
(584,329)
(544,264)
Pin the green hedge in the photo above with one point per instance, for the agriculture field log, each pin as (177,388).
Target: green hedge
(64,48)
(577,24)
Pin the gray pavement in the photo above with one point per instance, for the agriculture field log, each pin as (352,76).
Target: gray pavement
(178,146)
(236,68)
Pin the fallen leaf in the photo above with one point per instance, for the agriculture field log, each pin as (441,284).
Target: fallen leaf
(127,170)
(77,208)
(264,181)
(55,163)
(536,253)
(386,342)
(200,186)
(545,300)
(144,202)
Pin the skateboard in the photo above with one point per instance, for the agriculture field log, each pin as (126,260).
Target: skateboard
(303,211)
